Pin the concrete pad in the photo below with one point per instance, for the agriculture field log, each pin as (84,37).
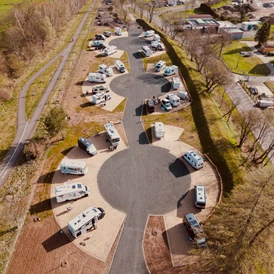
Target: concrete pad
(115,98)
(179,245)
(263,89)
(103,237)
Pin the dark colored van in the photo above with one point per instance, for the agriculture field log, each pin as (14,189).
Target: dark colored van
(87,146)
(150,106)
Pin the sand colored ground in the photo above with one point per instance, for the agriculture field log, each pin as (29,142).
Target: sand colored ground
(103,237)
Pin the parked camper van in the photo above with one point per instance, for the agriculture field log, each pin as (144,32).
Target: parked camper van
(110,50)
(118,31)
(264,103)
(170,70)
(146,51)
(150,106)
(96,78)
(160,65)
(200,197)
(99,88)
(194,159)
(156,37)
(159,130)
(149,33)
(194,230)
(100,98)
(85,221)
(112,134)
(87,146)
(74,167)
(157,45)
(69,192)
(105,70)
(99,36)
(119,66)
(166,105)
(183,95)
(175,83)
(174,100)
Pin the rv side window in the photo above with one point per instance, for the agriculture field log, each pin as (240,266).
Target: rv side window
(79,185)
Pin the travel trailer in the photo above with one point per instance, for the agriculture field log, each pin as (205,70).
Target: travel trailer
(112,134)
(119,66)
(146,51)
(175,83)
(85,221)
(159,130)
(105,70)
(194,159)
(68,192)
(74,167)
(100,98)
(96,78)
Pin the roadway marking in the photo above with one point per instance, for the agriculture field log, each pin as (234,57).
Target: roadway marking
(3,171)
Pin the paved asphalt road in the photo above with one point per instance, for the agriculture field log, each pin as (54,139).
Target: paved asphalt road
(25,129)
(143,179)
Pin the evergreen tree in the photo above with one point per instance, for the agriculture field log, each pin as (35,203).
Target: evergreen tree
(263,33)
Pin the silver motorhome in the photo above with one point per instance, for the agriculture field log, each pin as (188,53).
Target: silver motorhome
(200,197)
(194,159)
(112,134)
(74,167)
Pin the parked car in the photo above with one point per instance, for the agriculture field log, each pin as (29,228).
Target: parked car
(160,65)
(246,53)
(194,230)
(107,33)
(253,90)
(166,105)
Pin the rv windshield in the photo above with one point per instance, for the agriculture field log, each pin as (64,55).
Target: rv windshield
(115,140)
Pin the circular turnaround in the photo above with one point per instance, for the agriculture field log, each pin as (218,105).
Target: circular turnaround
(146,85)
(149,179)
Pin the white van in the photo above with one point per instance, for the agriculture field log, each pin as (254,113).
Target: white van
(118,31)
(183,95)
(146,51)
(73,191)
(110,50)
(194,159)
(174,100)
(105,70)
(96,78)
(159,130)
(156,37)
(175,83)
(170,70)
(74,167)
(119,66)
(200,197)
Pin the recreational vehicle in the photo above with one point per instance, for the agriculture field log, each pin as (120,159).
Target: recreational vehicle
(160,65)
(69,192)
(112,134)
(119,66)
(175,83)
(146,51)
(110,50)
(87,146)
(118,31)
(149,33)
(170,70)
(96,78)
(85,221)
(194,159)
(174,100)
(74,167)
(100,98)
(159,130)
(105,70)
(200,197)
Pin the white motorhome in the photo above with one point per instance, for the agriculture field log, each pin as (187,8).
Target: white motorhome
(170,70)
(175,83)
(118,31)
(183,95)
(69,192)
(194,159)
(112,134)
(149,33)
(156,37)
(85,221)
(73,167)
(105,70)
(160,65)
(100,98)
(119,66)
(96,78)
(200,197)
(159,130)
(146,51)
(110,50)
(264,103)
(174,100)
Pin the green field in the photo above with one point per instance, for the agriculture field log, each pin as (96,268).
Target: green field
(7,5)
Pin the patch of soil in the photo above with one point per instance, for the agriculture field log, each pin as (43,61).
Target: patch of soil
(43,248)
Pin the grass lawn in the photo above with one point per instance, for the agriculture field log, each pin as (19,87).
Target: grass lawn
(6,5)
(270,85)
(236,63)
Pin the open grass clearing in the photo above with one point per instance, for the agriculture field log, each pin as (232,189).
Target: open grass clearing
(38,87)
(252,65)
(270,85)
(5,5)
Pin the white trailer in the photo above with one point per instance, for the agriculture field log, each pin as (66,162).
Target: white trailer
(68,192)
(183,95)
(175,83)
(96,78)
(112,134)
(264,103)
(74,167)
(110,50)
(174,100)
(85,221)
(159,130)
(100,98)
(170,70)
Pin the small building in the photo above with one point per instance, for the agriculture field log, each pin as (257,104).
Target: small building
(202,21)
(268,47)
(235,33)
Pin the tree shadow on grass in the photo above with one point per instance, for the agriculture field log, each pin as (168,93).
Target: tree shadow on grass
(260,69)
(238,50)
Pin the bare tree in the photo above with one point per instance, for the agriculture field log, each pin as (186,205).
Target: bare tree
(223,40)
(233,105)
